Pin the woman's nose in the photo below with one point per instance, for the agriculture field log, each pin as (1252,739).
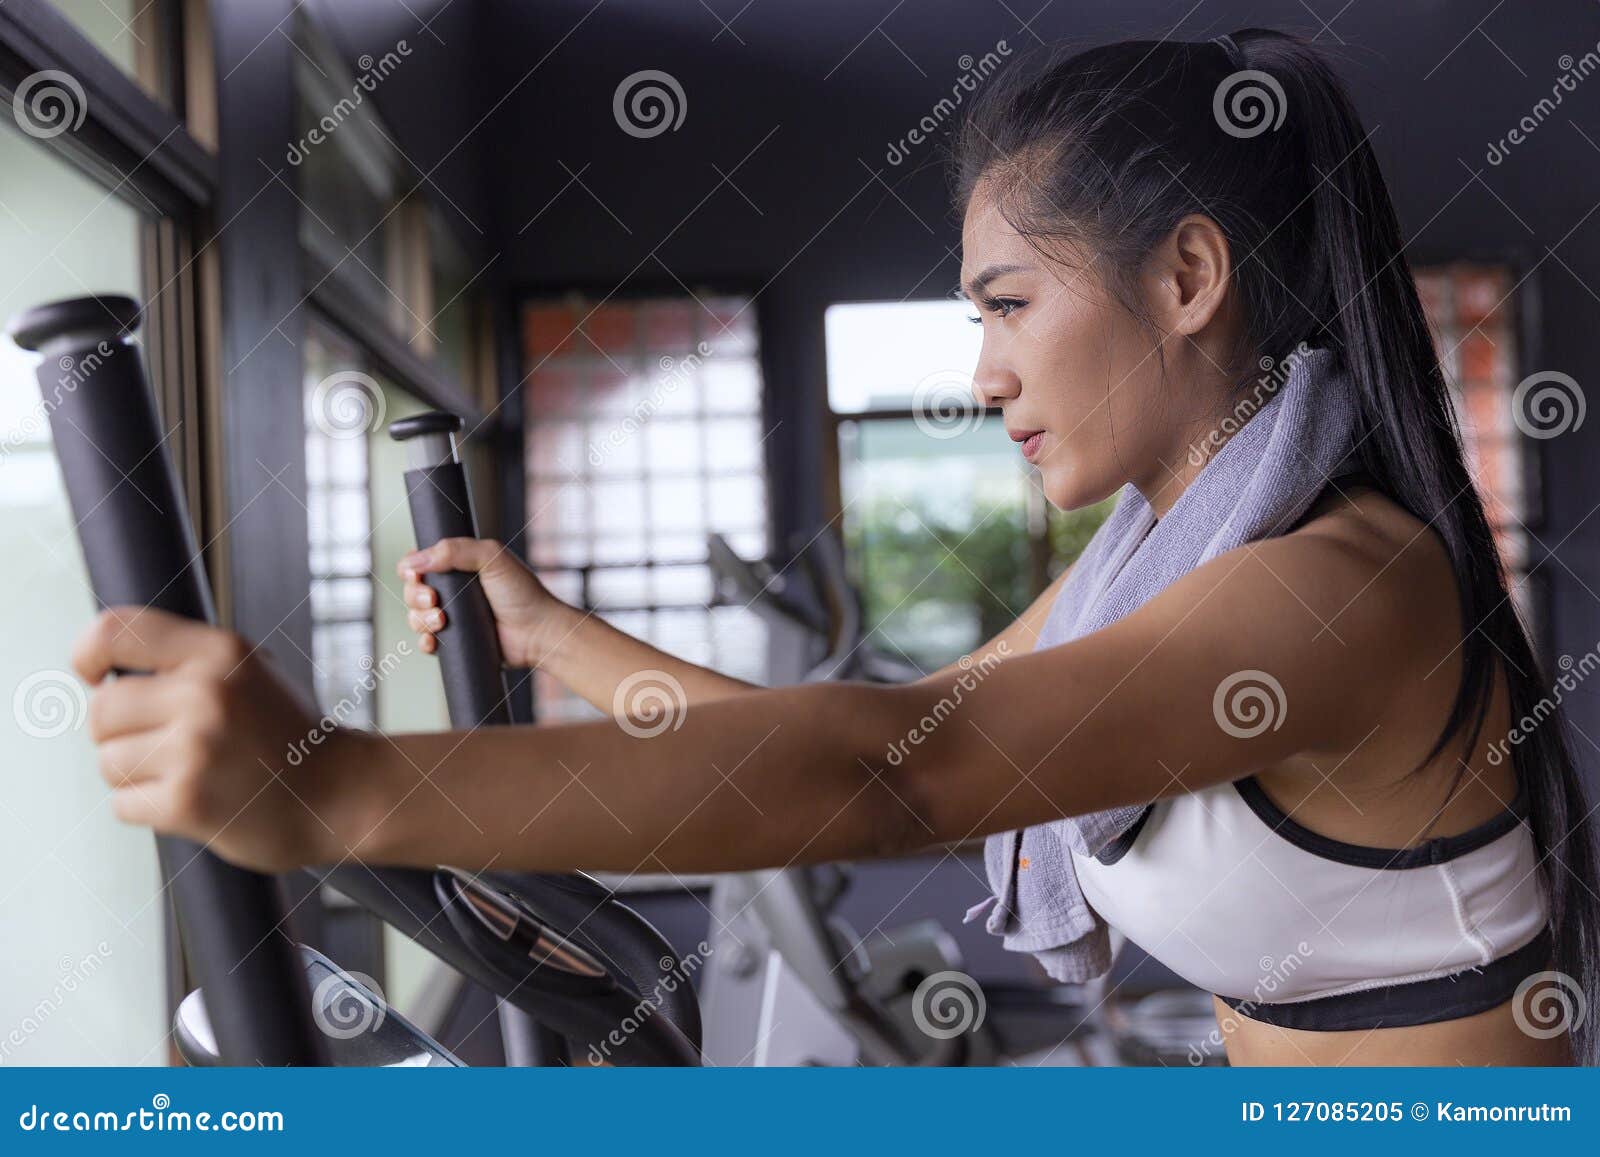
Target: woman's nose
(992,385)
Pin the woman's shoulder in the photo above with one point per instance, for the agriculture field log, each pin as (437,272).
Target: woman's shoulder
(1358,514)
(1396,564)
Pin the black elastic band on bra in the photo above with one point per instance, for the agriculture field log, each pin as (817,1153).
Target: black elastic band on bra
(1434,851)
(1464,993)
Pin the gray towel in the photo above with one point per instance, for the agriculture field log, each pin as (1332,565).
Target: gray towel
(1256,486)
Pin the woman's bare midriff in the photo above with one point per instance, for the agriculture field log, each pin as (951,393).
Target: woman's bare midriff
(1488,1038)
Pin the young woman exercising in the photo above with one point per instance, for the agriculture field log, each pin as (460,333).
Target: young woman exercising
(1402,857)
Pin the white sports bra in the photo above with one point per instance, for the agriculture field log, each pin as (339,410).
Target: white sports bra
(1297,929)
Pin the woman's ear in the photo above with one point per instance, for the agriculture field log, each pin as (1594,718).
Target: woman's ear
(1192,268)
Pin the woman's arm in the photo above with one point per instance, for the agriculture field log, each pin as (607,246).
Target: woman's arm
(585,653)
(1334,635)
(595,660)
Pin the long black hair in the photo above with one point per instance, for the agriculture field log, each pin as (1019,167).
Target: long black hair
(1106,150)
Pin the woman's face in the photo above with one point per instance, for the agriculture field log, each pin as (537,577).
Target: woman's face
(1078,380)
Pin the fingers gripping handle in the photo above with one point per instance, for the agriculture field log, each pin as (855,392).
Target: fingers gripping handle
(441,507)
(139,548)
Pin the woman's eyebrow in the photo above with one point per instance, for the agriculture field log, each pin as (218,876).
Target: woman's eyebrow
(979,283)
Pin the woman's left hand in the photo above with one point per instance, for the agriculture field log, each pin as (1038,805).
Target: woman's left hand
(208,743)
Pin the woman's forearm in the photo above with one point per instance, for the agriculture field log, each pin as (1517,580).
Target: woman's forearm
(596,661)
(715,790)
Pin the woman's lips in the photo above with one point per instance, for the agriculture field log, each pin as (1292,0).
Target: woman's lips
(1032,444)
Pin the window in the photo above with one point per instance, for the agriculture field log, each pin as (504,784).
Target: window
(77,881)
(644,434)
(138,36)
(367,670)
(1471,310)
(947,531)
(348,174)
(454,310)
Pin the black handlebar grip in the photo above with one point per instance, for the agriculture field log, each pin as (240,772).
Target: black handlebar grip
(469,655)
(139,548)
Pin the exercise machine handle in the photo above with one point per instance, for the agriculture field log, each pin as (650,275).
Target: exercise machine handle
(441,507)
(572,910)
(139,548)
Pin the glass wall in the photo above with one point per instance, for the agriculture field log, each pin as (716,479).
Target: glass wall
(82,980)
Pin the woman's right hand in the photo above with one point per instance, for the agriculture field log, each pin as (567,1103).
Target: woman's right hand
(523,607)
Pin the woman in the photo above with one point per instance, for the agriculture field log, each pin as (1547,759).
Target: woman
(1132,255)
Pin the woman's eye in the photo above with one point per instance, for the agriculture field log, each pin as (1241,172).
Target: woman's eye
(999,306)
